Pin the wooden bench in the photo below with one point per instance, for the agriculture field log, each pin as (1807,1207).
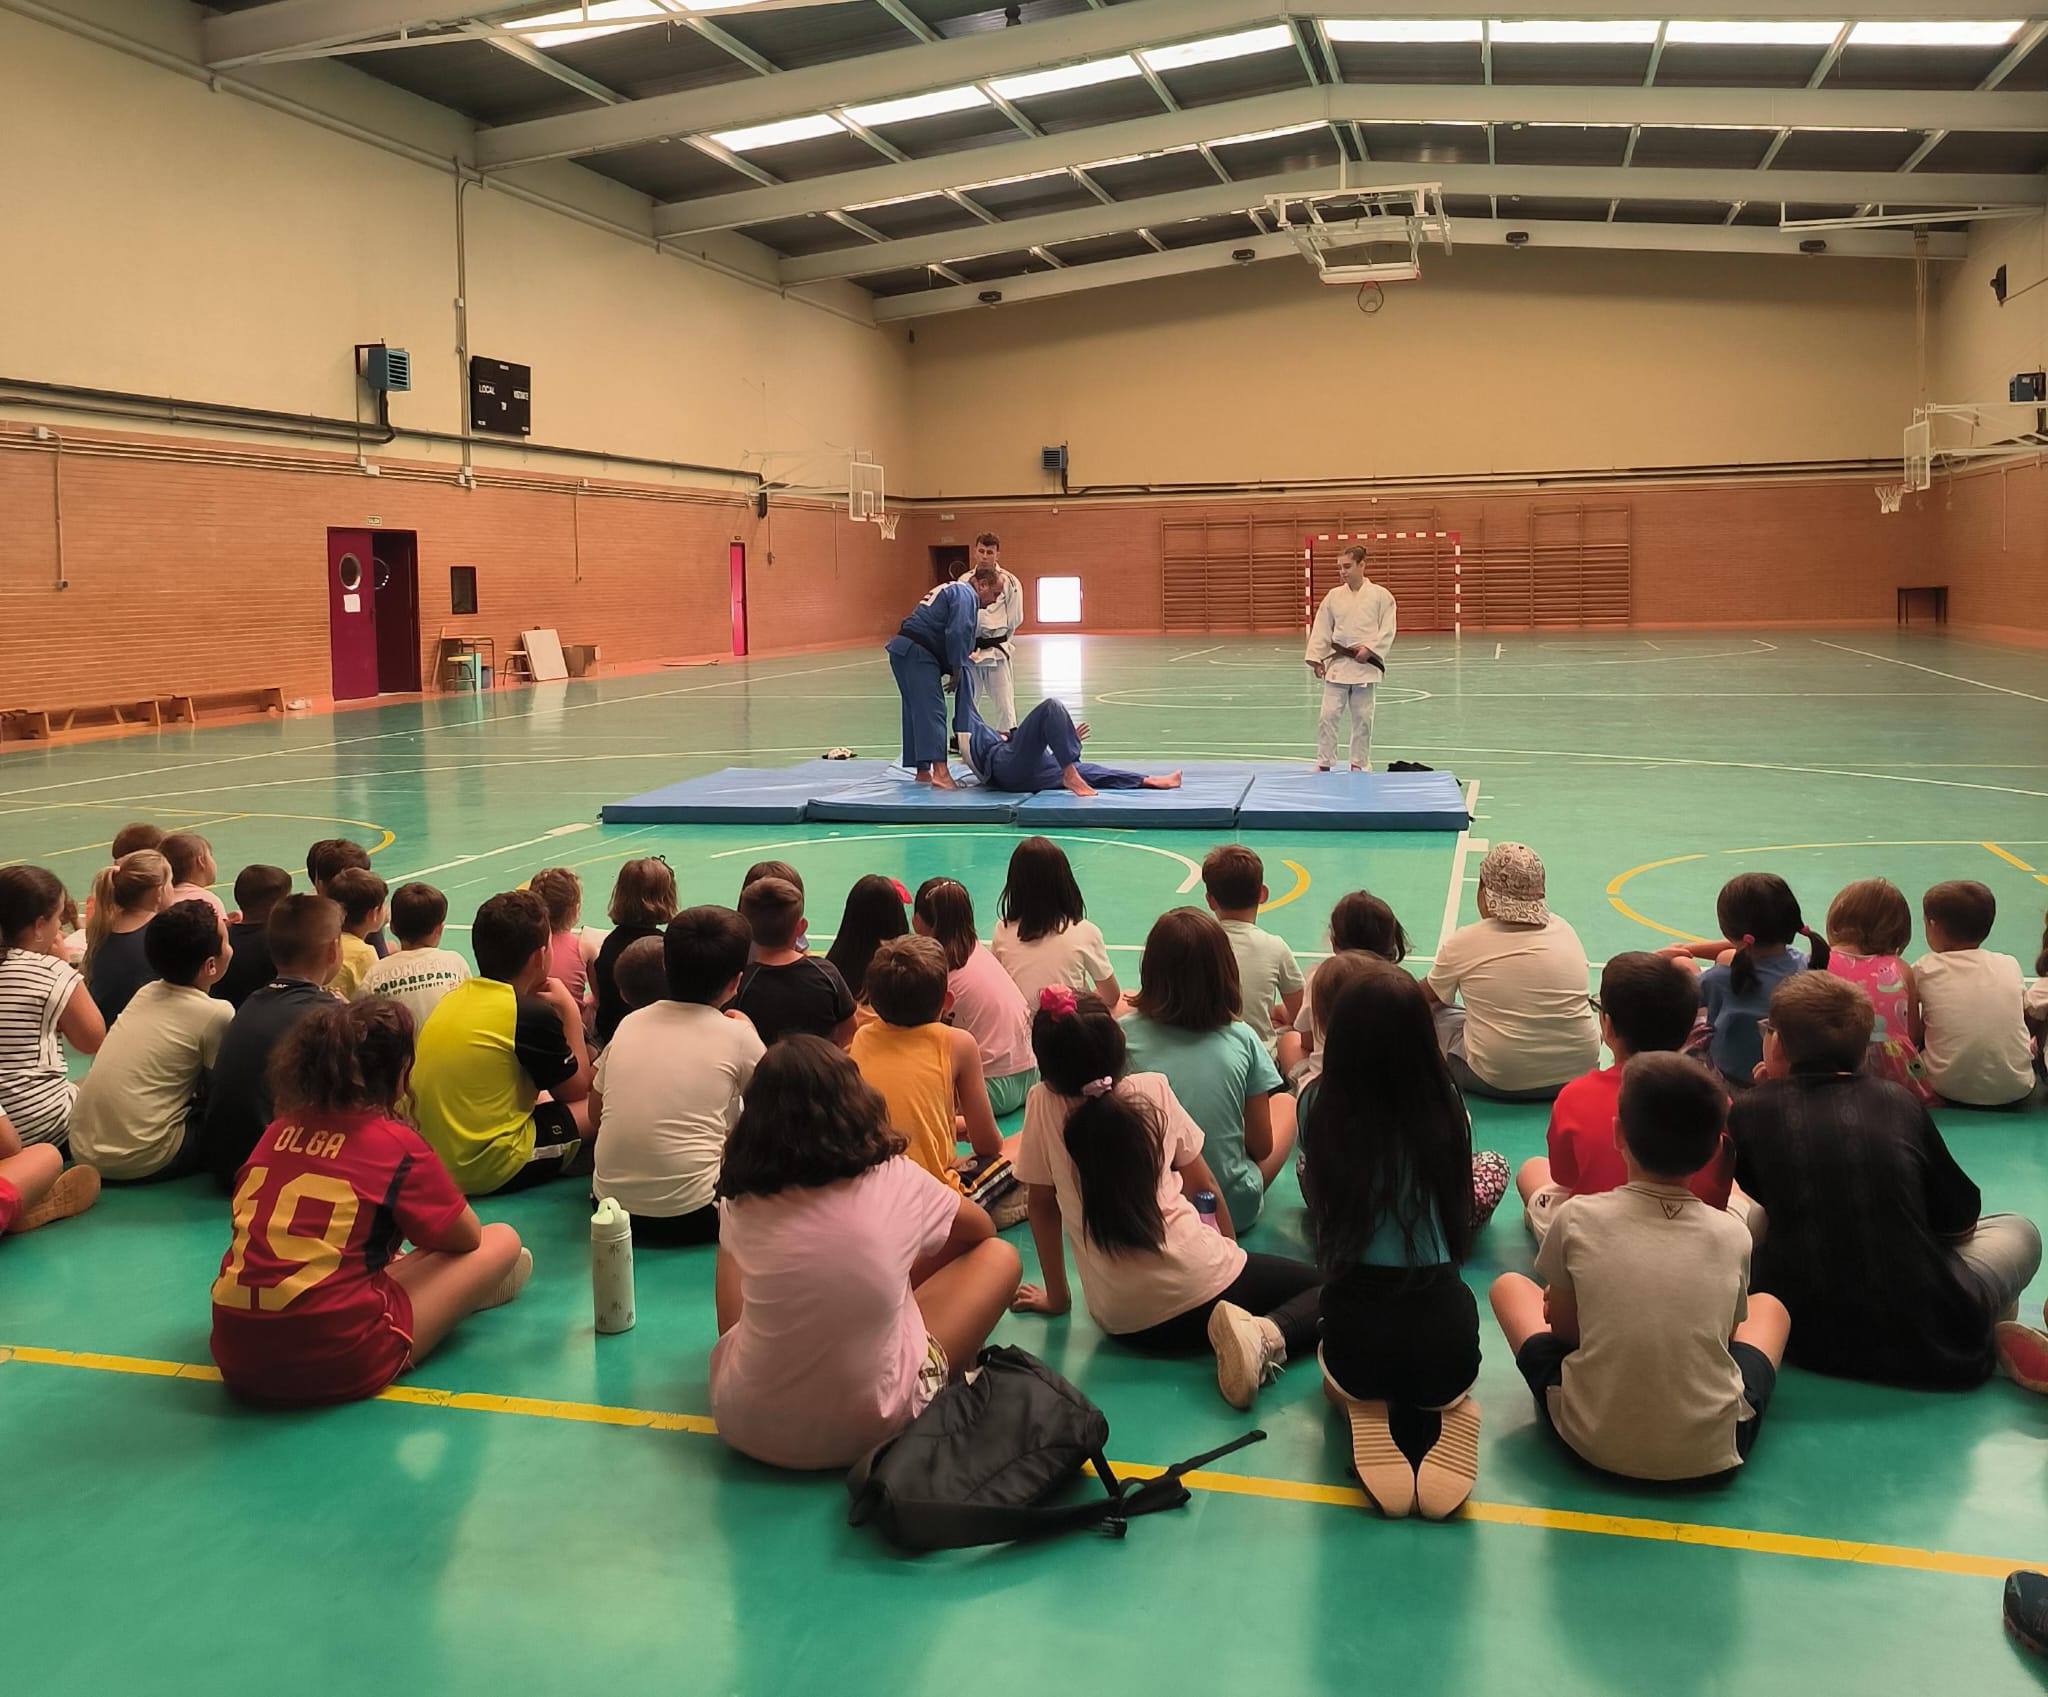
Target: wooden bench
(265,698)
(39,724)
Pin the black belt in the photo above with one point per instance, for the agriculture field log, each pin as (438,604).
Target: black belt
(903,630)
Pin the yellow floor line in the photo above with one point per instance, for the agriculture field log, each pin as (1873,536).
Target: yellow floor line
(1621,907)
(2009,859)
(1300,887)
(1224,1484)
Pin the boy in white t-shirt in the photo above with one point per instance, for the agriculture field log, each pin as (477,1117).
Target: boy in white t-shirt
(420,972)
(1234,879)
(670,1082)
(1971,1027)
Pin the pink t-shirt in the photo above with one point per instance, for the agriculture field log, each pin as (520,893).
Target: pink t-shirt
(987,1002)
(195,893)
(566,962)
(824,1361)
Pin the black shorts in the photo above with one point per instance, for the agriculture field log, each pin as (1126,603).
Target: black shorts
(557,1150)
(1402,1335)
(1541,1363)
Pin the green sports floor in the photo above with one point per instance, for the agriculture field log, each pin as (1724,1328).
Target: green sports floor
(540,1510)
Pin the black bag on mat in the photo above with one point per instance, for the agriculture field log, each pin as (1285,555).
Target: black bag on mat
(978,1465)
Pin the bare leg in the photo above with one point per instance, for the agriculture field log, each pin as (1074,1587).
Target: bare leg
(447,1289)
(1164,781)
(963,1301)
(1290,1053)
(1518,1306)
(1532,1175)
(1281,1107)
(725,1282)
(1767,1327)
(32,1172)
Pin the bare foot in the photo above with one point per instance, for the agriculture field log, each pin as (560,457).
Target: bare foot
(1170,782)
(924,774)
(1076,784)
(941,779)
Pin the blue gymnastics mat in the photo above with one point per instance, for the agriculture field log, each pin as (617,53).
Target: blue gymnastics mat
(1214,796)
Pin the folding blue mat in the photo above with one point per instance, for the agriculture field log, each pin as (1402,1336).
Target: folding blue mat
(1214,796)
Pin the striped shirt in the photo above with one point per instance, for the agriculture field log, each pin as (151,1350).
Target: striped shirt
(34,1093)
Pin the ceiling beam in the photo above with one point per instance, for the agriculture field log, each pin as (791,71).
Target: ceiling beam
(1587,182)
(1366,103)
(999,53)
(1470,232)
(295,28)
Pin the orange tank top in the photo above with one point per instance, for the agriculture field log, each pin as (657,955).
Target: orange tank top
(912,1067)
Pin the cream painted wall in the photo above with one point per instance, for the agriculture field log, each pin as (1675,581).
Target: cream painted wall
(1495,362)
(163,238)
(1975,345)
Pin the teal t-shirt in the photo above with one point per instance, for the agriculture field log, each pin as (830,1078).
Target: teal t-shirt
(1213,1074)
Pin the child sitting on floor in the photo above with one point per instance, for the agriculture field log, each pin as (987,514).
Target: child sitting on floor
(125,898)
(1268,975)
(784,991)
(1112,1162)
(332,855)
(192,871)
(927,1072)
(669,1084)
(42,997)
(1646,1352)
(984,999)
(1043,934)
(1359,923)
(642,973)
(258,889)
(2037,1001)
(420,972)
(140,1108)
(1869,924)
(1185,1025)
(340,1174)
(1647,1006)
(136,835)
(643,901)
(1759,916)
(1972,1029)
(361,896)
(36,1187)
(789,875)
(570,953)
(873,914)
(1387,1173)
(851,1284)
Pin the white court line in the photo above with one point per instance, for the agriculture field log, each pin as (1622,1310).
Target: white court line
(1497,648)
(1455,895)
(488,854)
(1195,654)
(1912,665)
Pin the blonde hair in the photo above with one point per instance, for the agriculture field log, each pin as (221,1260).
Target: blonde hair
(120,888)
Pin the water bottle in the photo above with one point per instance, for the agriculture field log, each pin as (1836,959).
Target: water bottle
(611,1267)
(1205,1207)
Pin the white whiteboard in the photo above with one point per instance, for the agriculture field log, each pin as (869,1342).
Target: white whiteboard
(544,652)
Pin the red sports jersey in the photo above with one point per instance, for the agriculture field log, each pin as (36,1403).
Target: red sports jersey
(1583,1157)
(303,1310)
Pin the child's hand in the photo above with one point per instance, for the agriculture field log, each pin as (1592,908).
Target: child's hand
(1033,1299)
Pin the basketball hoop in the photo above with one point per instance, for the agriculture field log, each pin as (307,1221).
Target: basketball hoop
(1369,235)
(886,523)
(1890,496)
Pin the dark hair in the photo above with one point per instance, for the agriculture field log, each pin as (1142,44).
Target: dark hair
(1673,1112)
(1356,548)
(178,942)
(561,891)
(772,869)
(987,577)
(417,911)
(988,539)
(360,894)
(704,951)
(1963,908)
(334,854)
(1233,875)
(343,1056)
(1823,1021)
(187,851)
(28,895)
(2041,961)
(645,893)
(1387,1139)
(300,929)
(1651,1002)
(1759,909)
(506,932)
(773,909)
(907,981)
(873,914)
(1187,976)
(1114,1141)
(1331,979)
(1870,917)
(945,905)
(1362,921)
(1040,896)
(640,974)
(136,836)
(809,1119)
(259,888)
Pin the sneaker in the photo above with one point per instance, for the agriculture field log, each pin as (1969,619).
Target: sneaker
(2026,1610)
(2022,1355)
(1012,1210)
(1445,1476)
(1249,1352)
(514,1280)
(1384,1473)
(75,1190)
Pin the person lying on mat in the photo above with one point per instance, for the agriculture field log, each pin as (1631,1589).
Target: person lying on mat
(1044,753)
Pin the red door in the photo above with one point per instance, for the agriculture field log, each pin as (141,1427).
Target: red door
(736,558)
(351,614)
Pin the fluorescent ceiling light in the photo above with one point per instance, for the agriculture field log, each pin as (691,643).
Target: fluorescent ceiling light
(1544,124)
(1217,47)
(1717,33)
(893,200)
(1268,135)
(918,106)
(1934,35)
(1599,32)
(1402,29)
(1034,83)
(786,130)
(581,23)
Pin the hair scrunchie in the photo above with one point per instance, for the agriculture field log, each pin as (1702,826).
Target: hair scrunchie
(1059,1001)
(1097,1086)
(1748,942)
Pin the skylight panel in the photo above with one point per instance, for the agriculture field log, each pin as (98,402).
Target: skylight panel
(579,23)
(1934,34)
(1710,32)
(1218,47)
(1062,78)
(777,134)
(1598,32)
(933,105)
(1402,29)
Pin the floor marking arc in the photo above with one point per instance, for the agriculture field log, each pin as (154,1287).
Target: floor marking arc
(1300,889)
(1614,896)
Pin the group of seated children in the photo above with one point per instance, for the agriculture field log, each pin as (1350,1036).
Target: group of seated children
(806,1115)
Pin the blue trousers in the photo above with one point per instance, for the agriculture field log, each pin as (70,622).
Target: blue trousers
(921,685)
(1041,746)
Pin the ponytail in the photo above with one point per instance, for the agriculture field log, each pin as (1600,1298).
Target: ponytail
(1742,978)
(1817,960)
(1113,1142)
(344,1056)
(1759,908)
(117,889)
(100,920)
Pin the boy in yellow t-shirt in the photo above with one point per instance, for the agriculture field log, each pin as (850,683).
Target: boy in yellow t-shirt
(361,896)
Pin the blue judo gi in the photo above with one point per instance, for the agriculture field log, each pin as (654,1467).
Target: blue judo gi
(1033,755)
(933,644)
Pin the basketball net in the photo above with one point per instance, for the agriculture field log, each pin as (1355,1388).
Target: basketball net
(1890,496)
(886,523)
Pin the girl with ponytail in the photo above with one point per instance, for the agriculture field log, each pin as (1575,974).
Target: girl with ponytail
(1759,918)
(42,999)
(126,896)
(338,1175)
(1111,1162)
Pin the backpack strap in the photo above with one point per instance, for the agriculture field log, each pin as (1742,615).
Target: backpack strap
(1166,1490)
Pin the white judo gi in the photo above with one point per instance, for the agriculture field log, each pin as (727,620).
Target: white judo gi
(1361,618)
(995,696)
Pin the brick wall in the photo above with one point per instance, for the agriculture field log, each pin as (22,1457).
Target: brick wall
(1993,529)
